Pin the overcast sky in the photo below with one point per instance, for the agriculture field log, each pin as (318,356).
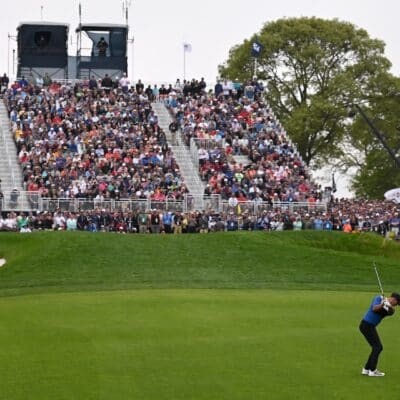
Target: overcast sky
(212,27)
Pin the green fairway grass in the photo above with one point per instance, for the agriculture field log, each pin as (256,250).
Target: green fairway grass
(225,316)
(191,344)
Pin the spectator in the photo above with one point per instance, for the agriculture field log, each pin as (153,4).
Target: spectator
(47,81)
(107,83)
(71,222)
(143,220)
(347,227)
(93,83)
(4,82)
(177,222)
(102,47)
(155,221)
(218,89)
(139,87)
(173,127)
(14,197)
(298,224)
(10,223)
(167,221)
(124,82)
(232,222)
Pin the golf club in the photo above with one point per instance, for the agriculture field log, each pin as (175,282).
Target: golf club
(379,280)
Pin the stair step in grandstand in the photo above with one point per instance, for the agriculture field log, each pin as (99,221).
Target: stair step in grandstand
(10,171)
(182,155)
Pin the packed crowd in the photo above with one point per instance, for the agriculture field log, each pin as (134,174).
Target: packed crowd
(234,120)
(104,142)
(101,140)
(92,140)
(342,215)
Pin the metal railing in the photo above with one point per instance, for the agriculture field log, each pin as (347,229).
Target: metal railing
(208,144)
(20,201)
(194,151)
(32,201)
(255,207)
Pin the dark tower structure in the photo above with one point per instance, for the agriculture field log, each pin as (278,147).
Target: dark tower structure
(43,48)
(102,49)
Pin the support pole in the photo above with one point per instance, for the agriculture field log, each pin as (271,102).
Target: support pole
(378,135)
(13,62)
(8,56)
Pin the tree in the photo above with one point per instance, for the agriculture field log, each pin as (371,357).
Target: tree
(377,170)
(313,69)
(378,175)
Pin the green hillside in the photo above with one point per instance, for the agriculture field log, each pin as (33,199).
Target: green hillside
(79,261)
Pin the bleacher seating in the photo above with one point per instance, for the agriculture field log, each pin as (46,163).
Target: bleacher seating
(235,124)
(91,143)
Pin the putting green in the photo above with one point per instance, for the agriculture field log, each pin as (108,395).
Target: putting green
(192,344)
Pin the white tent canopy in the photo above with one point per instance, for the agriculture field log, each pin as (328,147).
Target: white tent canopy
(393,194)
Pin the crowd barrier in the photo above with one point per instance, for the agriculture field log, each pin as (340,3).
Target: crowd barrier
(34,202)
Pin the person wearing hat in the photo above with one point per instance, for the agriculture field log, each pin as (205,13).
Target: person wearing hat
(380,308)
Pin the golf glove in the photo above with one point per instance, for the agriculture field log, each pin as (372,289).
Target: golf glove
(386,305)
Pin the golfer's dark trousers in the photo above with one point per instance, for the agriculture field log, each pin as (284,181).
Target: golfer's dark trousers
(370,333)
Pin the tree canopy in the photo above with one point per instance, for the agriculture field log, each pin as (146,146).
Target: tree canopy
(313,69)
(377,170)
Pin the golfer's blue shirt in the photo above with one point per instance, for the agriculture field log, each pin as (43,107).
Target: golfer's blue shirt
(373,317)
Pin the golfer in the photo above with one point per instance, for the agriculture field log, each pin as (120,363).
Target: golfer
(380,308)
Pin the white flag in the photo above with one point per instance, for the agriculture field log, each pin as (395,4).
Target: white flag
(187,47)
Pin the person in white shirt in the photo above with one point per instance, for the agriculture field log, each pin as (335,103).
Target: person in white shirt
(10,223)
(233,201)
(59,221)
(178,85)
(124,82)
(226,88)
(203,155)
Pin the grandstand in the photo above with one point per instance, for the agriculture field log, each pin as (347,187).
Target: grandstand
(99,142)
(100,156)
(69,139)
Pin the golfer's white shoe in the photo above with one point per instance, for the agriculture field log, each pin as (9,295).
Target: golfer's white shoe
(376,373)
(365,371)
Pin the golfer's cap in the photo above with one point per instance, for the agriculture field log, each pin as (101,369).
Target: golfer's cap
(396,296)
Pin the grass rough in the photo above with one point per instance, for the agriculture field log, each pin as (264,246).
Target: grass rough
(79,261)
